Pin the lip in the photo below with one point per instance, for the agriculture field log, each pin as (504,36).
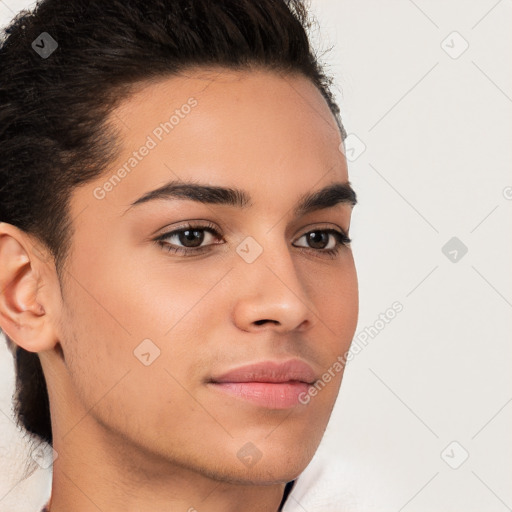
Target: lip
(271,372)
(269,384)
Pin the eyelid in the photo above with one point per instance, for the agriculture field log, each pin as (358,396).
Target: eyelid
(190,226)
(325,226)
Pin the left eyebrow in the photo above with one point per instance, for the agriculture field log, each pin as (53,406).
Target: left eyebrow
(326,197)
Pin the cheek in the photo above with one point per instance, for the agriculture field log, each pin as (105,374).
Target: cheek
(336,297)
(113,384)
(122,314)
(345,314)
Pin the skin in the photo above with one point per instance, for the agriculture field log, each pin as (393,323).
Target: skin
(158,431)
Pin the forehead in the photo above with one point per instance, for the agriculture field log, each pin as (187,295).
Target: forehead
(258,129)
(216,86)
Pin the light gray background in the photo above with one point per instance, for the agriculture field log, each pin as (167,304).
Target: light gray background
(431,153)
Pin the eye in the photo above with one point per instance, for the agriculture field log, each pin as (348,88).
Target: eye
(329,240)
(190,237)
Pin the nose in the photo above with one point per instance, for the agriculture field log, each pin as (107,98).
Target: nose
(272,295)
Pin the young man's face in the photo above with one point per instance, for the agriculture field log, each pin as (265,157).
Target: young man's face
(144,331)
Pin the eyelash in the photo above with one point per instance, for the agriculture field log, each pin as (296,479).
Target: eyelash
(342,240)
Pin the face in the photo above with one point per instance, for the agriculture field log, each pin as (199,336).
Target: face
(151,314)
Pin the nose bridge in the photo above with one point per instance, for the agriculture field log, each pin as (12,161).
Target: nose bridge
(268,254)
(272,289)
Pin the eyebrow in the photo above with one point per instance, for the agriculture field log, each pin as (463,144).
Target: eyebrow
(327,197)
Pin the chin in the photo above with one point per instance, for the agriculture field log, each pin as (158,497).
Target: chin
(270,463)
(270,473)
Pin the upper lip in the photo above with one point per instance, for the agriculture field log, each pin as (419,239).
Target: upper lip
(270,371)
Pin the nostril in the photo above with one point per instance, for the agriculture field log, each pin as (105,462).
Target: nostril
(259,322)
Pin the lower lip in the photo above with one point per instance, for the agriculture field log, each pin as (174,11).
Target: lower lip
(273,395)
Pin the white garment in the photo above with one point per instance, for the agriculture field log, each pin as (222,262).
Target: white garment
(321,487)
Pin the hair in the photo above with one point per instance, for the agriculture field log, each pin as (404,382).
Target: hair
(54,134)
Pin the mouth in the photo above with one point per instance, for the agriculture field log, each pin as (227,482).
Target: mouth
(269,384)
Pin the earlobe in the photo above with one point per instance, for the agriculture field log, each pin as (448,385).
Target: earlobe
(22,316)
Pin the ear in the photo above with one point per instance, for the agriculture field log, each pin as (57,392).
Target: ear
(25,291)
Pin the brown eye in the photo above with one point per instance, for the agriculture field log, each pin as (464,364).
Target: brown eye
(318,239)
(193,237)
(326,240)
(189,239)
